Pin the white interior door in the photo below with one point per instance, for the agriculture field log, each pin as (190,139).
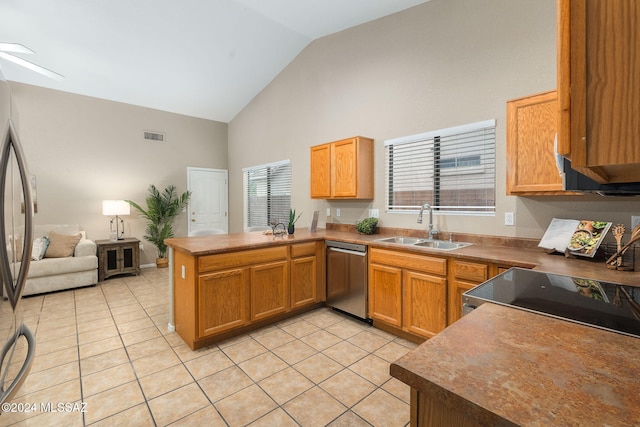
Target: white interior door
(209,201)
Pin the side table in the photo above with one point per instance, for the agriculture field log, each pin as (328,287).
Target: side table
(118,257)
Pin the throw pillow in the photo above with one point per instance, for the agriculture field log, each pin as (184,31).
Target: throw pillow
(61,245)
(39,248)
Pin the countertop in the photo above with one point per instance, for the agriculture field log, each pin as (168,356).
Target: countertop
(501,365)
(535,258)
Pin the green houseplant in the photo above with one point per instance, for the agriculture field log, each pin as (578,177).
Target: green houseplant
(291,228)
(367,226)
(161,211)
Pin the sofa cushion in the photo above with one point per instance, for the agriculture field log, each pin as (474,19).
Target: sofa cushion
(56,266)
(40,246)
(61,245)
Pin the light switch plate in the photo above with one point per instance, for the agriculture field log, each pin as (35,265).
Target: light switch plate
(374,213)
(338,212)
(328,211)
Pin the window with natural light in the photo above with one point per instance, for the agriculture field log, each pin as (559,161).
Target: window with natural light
(267,193)
(452,169)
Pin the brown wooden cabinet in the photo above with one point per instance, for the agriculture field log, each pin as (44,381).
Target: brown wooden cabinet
(321,171)
(531,130)
(598,88)
(218,296)
(342,169)
(408,291)
(385,292)
(269,289)
(118,257)
(422,319)
(230,286)
(306,276)
(464,275)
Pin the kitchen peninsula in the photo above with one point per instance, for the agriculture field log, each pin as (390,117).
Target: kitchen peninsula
(495,366)
(227,284)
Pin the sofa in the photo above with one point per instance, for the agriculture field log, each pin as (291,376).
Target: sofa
(54,272)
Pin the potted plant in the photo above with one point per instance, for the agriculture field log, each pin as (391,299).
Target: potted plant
(291,228)
(162,210)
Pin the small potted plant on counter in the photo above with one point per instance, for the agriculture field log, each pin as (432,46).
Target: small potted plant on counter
(367,226)
(291,228)
(162,210)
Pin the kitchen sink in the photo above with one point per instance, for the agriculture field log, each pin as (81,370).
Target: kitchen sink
(402,240)
(442,244)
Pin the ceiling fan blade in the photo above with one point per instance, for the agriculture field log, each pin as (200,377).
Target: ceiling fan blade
(15,47)
(31,66)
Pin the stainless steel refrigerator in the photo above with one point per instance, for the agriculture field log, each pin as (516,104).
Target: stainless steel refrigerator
(16,236)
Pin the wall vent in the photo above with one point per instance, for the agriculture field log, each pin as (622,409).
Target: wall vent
(154,136)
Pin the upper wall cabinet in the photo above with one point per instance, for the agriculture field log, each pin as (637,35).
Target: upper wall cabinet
(599,88)
(342,169)
(531,130)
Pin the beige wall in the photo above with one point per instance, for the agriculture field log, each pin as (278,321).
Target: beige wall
(440,64)
(83,150)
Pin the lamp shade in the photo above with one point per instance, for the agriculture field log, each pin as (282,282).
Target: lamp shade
(115,207)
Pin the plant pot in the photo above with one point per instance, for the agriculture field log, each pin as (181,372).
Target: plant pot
(291,229)
(162,262)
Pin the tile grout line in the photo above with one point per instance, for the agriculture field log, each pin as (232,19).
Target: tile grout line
(124,346)
(141,293)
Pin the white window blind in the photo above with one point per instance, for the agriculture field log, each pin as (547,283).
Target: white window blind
(267,193)
(452,169)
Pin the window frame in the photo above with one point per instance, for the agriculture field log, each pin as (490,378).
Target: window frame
(429,146)
(284,188)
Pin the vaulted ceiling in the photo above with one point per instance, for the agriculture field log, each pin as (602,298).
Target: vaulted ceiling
(202,58)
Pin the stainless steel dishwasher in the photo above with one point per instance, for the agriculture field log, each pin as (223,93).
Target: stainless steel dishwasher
(347,278)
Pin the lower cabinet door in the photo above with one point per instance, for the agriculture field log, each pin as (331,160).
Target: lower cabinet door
(223,301)
(425,303)
(456,289)
(303,281)
(385,294)
(269,290)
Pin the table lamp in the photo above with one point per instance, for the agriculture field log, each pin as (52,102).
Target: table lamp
(116,207)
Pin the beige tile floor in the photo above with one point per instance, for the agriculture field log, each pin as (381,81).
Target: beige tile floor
(107,350)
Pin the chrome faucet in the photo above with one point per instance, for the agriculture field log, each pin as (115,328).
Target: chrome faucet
(431,230)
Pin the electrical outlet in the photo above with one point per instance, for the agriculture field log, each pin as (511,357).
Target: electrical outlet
(635,221)
(509,218)
(328,211)
(374,213)
(338,212)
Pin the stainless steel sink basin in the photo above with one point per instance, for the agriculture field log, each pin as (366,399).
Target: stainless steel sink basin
(445,245)
(402,240)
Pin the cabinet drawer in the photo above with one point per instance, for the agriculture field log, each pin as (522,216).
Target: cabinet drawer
(238,259)
(470,271)
(424,263)
(303,249)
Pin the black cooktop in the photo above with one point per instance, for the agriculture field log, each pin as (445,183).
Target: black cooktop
(604,305)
